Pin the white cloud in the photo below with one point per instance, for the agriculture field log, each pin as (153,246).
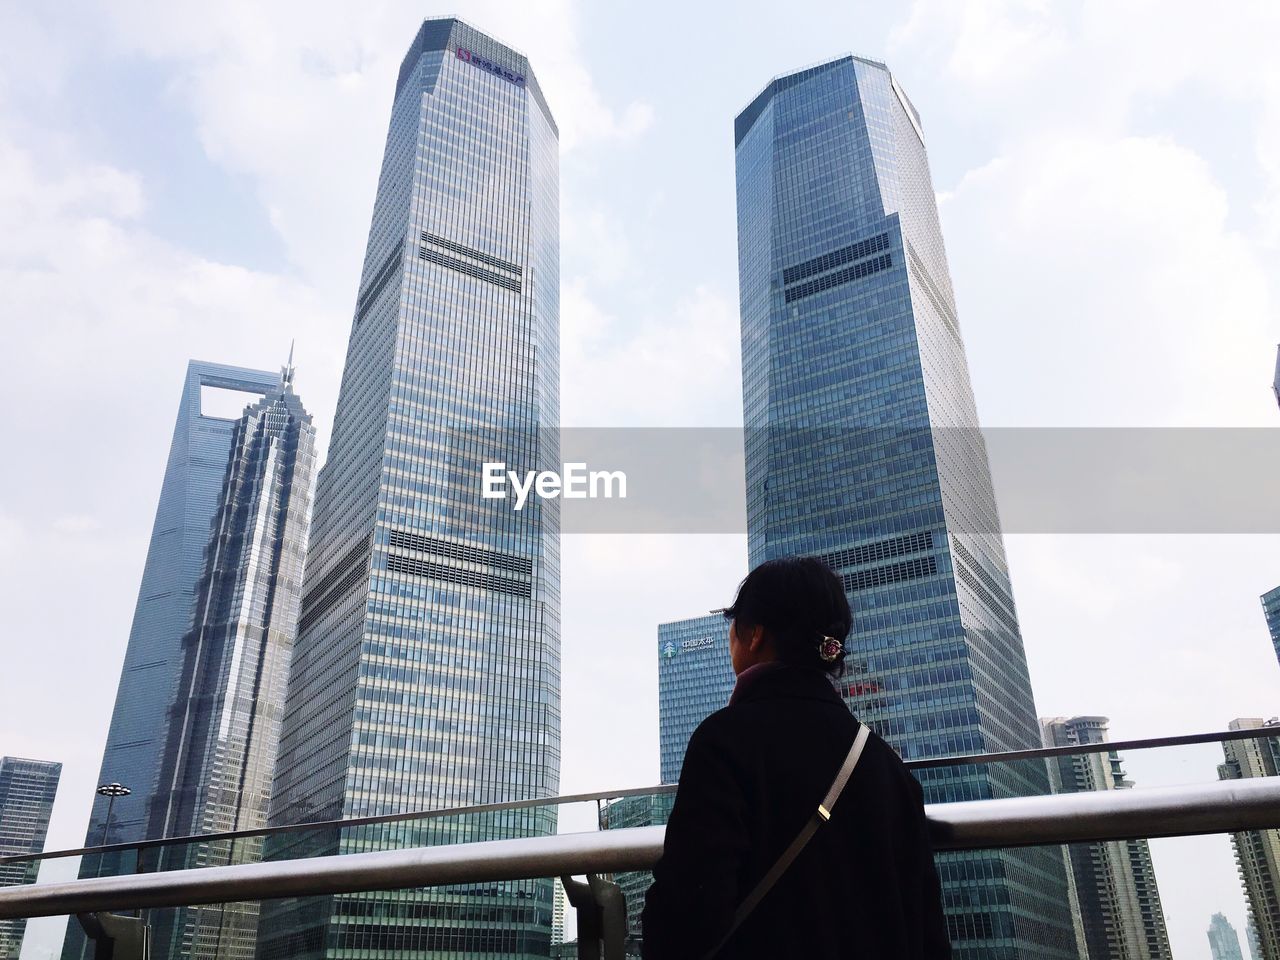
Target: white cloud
(296,96)
(1029,66)
(986,43)
(676,368)
(75,524)
(1132,294)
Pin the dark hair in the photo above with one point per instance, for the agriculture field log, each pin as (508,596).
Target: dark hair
(798,601)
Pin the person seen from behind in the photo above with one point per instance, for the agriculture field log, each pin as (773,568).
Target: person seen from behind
(751,868)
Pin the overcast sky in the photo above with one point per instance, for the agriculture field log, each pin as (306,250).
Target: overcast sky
(188,179)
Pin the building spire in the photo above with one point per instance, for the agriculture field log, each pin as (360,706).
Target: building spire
(286,372)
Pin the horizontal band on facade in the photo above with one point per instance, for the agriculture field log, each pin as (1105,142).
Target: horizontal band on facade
(840,277)
(474,254)
(480,273)
(836,258)
(890,573)
(459,551)
(390,268)
(879,550)
(399,563)
(344,575)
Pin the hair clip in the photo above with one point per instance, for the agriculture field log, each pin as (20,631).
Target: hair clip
(829,649)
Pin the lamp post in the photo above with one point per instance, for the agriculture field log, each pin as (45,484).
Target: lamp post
(111,791)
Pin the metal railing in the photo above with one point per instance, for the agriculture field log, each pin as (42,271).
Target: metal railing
(656,790)
(1222,807)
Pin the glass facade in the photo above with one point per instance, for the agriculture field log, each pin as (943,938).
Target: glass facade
(27,789)
(1224,942)
(1115,882)
(862,449)
(224,726)
(695,679)
(1271,610)
(426,672)
(189,499)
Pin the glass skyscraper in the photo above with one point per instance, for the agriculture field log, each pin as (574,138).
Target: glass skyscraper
(1271,610)
(426,673)
(695,679)
(223,728)
(862,449)
(1224,942)
(27,789)
(189,498)
(1115,881)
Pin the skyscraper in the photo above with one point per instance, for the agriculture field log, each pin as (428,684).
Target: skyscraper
(1224,942)
(1257,851)
(1115,881)
(426,672)
(862,449)
(224,725)
(1271,610)
(695,679)
(27,789)
(175,559)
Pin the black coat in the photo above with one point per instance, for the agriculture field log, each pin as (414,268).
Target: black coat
(865,887)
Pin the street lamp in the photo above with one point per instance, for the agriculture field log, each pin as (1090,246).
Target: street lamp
(111,791)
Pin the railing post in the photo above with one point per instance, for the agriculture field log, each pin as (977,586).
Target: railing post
(602,917)
(115,937)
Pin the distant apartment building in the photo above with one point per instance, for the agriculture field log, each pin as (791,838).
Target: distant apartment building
(1115,882)
(559,907)
(1257,851)
(1224,942)
(27,789)
(695,679)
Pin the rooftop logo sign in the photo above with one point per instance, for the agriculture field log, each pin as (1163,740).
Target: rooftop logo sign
(669,649)
(496,69)
(698,644)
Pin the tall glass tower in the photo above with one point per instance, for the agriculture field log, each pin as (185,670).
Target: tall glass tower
(1224,942)
(1271,610)
(224,726)
(175,559)
(862,449)
(426,672)
(27,789)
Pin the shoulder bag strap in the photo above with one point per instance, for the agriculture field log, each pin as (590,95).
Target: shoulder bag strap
(820,816)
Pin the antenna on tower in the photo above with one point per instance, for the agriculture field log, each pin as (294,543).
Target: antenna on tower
(286,372)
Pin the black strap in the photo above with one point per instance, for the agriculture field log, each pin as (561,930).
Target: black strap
(820,816)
